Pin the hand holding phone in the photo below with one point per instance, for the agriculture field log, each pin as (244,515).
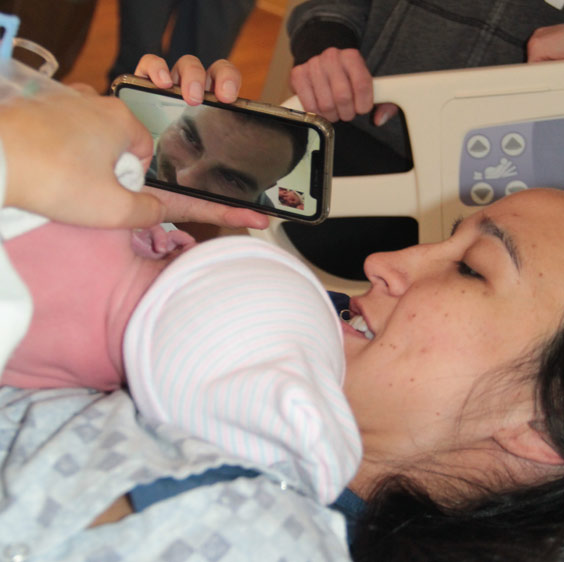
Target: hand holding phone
(274,160)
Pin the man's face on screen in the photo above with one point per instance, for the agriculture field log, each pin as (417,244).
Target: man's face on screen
(218,152)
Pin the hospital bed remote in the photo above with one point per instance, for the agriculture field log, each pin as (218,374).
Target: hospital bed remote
(499,160)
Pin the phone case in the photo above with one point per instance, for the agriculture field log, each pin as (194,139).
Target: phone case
(321,174)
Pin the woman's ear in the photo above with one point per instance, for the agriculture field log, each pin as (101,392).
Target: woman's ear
(528,441)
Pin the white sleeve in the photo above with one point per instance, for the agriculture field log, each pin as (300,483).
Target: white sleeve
(15,300)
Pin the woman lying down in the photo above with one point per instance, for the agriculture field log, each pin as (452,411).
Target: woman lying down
(453,378)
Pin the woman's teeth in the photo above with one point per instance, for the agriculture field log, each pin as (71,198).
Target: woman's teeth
(359,325)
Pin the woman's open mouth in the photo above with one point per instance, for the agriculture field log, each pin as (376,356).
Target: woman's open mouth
(359,324)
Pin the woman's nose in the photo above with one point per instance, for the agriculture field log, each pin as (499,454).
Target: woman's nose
(396,271)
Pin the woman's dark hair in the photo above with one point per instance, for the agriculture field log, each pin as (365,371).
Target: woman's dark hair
(402,523)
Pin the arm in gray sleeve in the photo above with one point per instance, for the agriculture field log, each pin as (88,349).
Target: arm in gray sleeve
(316,25)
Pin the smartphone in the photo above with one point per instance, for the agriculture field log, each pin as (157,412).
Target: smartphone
(271,159)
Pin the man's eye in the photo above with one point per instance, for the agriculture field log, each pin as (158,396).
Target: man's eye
(190,137)
(466,271)
(234,182)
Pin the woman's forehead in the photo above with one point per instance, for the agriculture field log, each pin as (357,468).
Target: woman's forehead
(536,212)
(535,221)
(532,200)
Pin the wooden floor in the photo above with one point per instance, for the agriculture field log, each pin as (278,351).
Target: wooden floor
(251,53)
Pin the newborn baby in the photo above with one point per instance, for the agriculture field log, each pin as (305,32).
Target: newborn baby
(232,339)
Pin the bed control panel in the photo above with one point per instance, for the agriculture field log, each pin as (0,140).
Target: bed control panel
(499,160)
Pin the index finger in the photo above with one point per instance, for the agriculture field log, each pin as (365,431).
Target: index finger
(360,79)
(183,208)
(154,68)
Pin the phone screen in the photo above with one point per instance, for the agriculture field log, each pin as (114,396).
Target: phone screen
(235,155)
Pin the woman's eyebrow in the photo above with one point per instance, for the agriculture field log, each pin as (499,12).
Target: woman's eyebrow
(488,227)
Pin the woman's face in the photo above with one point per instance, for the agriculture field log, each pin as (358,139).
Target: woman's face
(445,316)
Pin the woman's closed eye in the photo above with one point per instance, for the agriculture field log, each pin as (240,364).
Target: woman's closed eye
(466,271)
(456,223)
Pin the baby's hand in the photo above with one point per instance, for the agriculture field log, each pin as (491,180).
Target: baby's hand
(222,78)
(157,243)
